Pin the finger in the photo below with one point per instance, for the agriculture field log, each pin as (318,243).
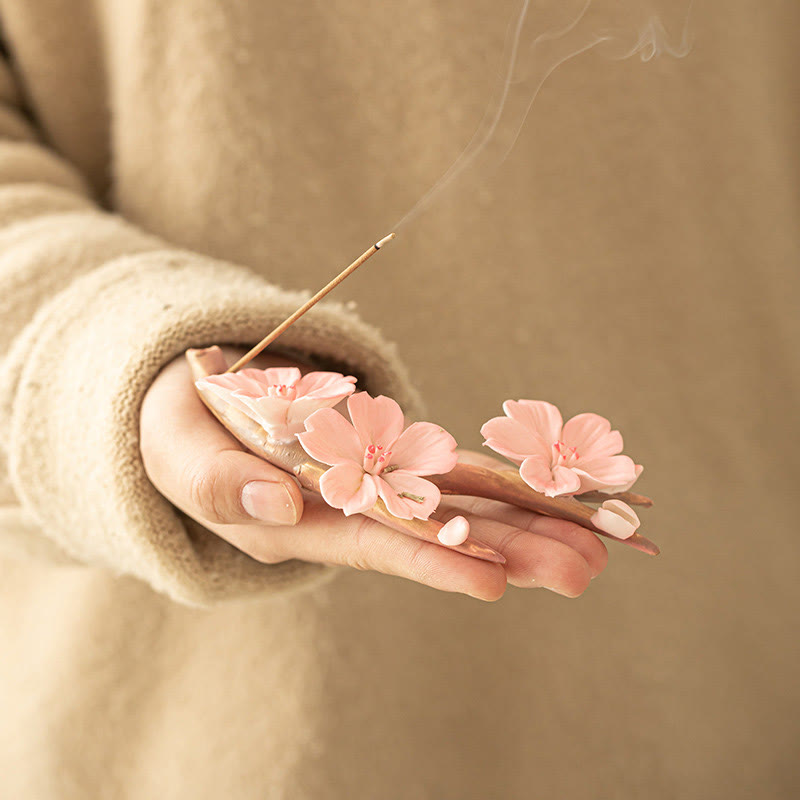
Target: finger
(325,535)
(589,545)
(532,560)
(231,486)
(194,462)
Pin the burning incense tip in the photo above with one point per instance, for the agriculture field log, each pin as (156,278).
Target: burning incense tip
(383,241)
(251,354)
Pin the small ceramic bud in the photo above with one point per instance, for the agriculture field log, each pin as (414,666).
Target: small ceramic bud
(616,518)
(454,532)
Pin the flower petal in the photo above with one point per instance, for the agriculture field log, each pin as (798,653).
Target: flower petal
(325,384)
(245,381)
(538,416)
(348,487)
(378,420)
(365,499)
(604,473)
(512,439)
(537,473)
(424,449)
(331,439)
(392,484)
(300,410)
(226,394)
(592,436)
(327,394)
(565,481)
(624,487)
(616,518)
(269,410)
(277,376)
(254,383)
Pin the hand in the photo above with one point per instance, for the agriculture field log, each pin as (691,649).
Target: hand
(197,465)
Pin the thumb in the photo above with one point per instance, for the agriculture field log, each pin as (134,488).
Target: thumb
(197,465)
(234,487)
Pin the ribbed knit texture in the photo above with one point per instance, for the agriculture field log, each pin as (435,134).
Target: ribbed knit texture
(92,308)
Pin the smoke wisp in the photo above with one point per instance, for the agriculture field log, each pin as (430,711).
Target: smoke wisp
(620,32)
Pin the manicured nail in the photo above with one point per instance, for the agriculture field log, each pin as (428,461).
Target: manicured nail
(269,502)
(560,592)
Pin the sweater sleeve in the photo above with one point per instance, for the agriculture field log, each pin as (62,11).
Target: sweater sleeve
(91,308)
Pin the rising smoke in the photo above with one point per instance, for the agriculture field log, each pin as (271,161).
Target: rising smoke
(620,30)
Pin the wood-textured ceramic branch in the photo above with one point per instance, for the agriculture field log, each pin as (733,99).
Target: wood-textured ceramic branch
(507,486)
(294,460)
(502,484)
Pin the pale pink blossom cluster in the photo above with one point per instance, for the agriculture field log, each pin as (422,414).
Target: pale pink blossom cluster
(561,459)
(557,458)
(280,399)
(375,455)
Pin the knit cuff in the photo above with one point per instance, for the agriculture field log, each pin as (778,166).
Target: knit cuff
(79,375)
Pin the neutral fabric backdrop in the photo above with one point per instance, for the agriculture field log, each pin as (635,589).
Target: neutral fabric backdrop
(636,255)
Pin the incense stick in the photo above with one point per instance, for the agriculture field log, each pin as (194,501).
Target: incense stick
(267,340)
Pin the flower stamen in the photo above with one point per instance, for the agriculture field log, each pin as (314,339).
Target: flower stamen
(375,466)
(417,498)
(564,455)
(282,390)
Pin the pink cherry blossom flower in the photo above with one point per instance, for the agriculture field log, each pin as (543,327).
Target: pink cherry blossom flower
(555,458)
(374,457)
(616,518)
(280,399)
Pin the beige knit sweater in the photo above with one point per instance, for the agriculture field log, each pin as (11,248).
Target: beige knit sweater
(95,306)
(176,174)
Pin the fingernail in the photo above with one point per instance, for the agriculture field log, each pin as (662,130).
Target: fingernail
(560,592)
(269,502)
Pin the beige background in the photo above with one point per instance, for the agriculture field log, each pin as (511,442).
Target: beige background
(639,254)
(636,256)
